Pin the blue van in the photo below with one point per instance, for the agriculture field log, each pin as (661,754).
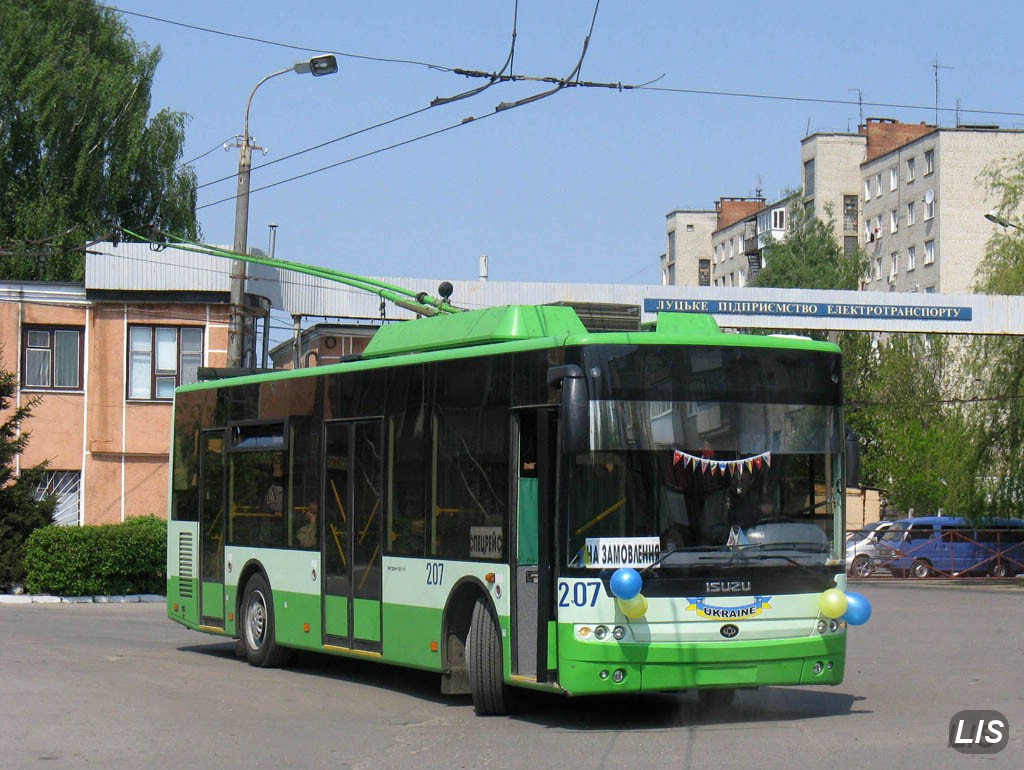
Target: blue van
(951,546)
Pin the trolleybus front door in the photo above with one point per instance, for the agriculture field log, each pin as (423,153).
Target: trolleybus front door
(537,436)
(211,529)
(353,487)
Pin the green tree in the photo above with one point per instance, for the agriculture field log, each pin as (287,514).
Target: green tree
(997,365)
(810,257)
(916,438)
(20,512)
(79,153)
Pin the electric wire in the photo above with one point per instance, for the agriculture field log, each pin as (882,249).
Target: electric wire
(265,41)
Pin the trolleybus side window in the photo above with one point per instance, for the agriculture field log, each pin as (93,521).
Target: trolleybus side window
(471,459)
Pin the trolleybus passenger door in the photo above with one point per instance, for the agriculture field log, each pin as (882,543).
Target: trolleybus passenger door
(534,577)
(211,529)
(353,486)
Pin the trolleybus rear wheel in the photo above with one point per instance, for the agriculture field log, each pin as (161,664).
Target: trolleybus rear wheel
(258,625)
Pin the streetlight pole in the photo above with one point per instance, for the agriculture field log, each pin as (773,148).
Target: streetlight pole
(318,65)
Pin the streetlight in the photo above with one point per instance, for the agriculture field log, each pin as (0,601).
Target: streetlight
(992,216)
(317,66)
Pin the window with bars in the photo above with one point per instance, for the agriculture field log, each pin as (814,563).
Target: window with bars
(52,358)
(66,489)
(160,358)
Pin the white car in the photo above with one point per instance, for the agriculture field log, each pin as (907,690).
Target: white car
(861,546)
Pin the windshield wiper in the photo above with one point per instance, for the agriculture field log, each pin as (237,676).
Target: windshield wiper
(794,545)
(741,556)
(679,549)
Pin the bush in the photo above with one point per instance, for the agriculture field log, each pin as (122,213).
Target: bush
(109,559)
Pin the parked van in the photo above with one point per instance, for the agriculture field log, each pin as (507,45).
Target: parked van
(862,546)
(950,545)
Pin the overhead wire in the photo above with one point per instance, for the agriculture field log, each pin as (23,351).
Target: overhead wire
(265,41)
(502,107)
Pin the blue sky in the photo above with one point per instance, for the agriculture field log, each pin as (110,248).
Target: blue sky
(574,187)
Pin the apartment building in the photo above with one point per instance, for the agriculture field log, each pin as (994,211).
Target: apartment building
(687,258)
(831,180)
(924,205)
(738,246)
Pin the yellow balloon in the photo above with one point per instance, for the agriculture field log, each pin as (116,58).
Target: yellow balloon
(634,608)
(832,603)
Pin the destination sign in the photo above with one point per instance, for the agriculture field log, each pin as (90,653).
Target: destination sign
(809,309)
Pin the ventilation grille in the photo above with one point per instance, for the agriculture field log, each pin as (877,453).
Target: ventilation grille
(186,564)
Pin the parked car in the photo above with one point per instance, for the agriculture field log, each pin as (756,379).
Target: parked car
(862,546)
(952,546)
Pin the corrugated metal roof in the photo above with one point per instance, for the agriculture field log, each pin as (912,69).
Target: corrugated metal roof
(136,267)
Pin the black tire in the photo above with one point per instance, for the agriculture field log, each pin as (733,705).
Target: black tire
(860,566)
(921,568)
(716,699)
(483,661)
(999,569)
(257,626)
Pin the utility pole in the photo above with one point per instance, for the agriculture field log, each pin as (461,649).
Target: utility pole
(318,65)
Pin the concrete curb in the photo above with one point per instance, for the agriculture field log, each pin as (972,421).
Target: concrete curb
(45,599)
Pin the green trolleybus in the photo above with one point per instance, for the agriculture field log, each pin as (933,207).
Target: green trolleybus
(513,501)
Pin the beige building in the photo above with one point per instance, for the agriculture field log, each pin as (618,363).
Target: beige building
(831,181)
(687,258)
(924,206)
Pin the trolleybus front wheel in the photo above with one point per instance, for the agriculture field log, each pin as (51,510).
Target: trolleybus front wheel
(483,661)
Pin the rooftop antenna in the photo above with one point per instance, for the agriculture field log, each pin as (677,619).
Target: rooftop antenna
(935,68)
(860,105)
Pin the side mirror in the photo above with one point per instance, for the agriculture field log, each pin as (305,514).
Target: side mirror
(575,419)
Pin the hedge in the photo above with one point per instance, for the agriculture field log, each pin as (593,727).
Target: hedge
(109,559)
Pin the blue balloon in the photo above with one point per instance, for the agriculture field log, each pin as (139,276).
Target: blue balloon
(858,609)
(626,583)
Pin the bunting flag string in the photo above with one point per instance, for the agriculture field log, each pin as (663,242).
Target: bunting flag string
(715,467)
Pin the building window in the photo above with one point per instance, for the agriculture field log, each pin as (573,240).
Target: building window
(929,161)
(671,245)
(894,266)
(160,358)
(911,257)
(53,358)
(689,228)
(878,268)
(670,275)
(779,219)
(894,220)
(894,178)
(867,189)
(703,272)
(929,252)
(809,178)
(911,213)
(850,213)
(878,184)
(929,204)
(66,487)
(911,170)
(878,226)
